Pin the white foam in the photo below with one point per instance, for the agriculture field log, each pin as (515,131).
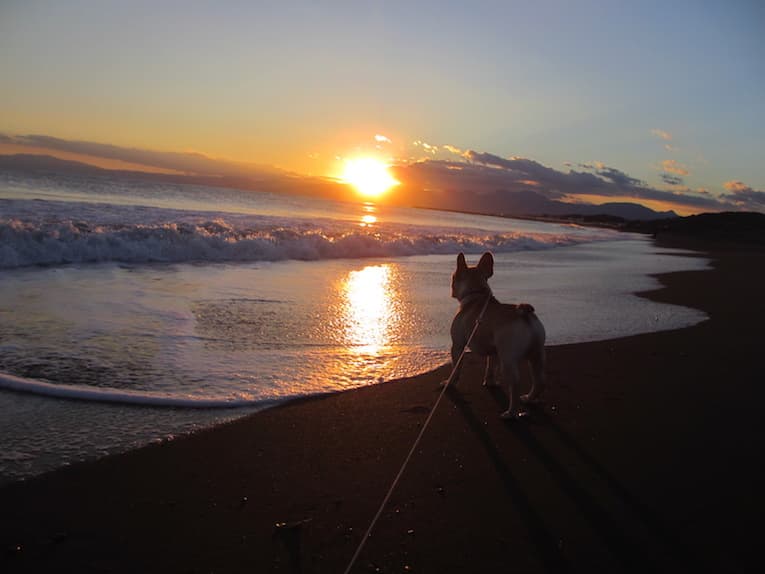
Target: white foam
(118,396)
(57,233)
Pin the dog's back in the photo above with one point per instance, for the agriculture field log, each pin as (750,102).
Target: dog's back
(514,328)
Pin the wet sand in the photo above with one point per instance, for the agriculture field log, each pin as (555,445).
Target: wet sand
(644,458)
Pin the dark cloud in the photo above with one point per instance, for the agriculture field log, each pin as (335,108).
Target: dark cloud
(670,179)
(552,181)
(443,175)
(485,173)
(619,177)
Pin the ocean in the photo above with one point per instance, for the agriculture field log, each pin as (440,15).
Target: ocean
(134,312)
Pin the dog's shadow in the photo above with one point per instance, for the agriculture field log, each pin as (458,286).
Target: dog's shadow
(545,542)
(628,553)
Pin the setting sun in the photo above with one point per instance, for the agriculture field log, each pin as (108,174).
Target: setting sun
(369,176)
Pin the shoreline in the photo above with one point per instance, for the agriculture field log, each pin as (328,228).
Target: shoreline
(590,481)
(102,427)
(114,427)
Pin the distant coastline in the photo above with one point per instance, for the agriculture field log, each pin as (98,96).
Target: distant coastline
(732,226)
(738,226)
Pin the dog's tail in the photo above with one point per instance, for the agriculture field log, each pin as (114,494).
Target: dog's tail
(525,311)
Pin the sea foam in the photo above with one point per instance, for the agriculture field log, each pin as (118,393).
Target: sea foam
(104,395)
(57,233)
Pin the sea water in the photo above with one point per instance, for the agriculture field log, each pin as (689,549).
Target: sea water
(132,311)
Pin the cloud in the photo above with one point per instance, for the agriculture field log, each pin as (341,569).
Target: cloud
(453,149)
(735,186)
(618,177)
(744,196)
(671,179)
(592,165)
(186,162)
(661,134)
(426,147)
(382,139)
(673,166)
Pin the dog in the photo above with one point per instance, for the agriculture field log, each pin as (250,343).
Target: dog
(507,334)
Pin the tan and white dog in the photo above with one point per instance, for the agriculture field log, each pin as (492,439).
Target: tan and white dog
(507,334)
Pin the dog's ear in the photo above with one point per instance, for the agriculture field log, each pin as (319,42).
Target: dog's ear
(461,263)
(486,265)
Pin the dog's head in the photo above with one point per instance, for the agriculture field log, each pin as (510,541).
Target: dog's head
(469,280)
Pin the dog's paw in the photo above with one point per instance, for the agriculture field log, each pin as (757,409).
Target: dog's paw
(531,400)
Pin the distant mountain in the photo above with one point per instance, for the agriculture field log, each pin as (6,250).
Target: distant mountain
(46,164)
(533,204)
(268,181)
(629,211)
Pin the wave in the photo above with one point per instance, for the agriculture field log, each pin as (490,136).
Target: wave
(104,395)
(52,233)
(24,243)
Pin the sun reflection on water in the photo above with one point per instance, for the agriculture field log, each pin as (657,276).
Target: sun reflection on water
(370,308)
(368,218)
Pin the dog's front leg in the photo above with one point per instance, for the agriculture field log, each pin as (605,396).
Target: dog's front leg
(457,348)
(489,375)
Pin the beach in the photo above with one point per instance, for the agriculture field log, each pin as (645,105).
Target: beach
(234,239)
(644,457)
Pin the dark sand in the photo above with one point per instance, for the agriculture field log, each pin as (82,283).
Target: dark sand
(646,457)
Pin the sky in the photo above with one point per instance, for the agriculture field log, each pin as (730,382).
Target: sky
(660,103)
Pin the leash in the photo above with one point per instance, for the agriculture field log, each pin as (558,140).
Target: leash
(393,485)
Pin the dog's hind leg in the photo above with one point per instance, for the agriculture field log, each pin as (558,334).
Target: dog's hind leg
(536,361)
(510,374)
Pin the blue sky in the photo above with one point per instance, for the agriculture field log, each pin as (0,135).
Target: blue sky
(661,91)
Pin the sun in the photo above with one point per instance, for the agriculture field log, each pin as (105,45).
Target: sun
(368,175)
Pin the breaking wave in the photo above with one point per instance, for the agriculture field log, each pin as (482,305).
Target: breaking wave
(173,236)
